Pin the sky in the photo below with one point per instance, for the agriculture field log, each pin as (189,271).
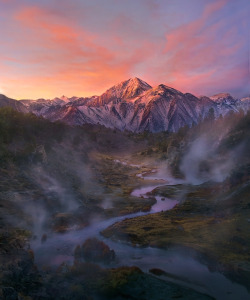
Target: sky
(51,48)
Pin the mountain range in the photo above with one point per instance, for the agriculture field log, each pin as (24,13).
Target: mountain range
(132,105)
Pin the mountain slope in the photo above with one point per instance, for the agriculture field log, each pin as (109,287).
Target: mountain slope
(135,106)
(17,105)
(125,90)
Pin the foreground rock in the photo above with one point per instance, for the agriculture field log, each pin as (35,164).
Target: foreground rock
(94,250)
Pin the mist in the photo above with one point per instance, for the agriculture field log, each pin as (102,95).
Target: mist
(62,184)
(79,186)
(207,158)
(202,162)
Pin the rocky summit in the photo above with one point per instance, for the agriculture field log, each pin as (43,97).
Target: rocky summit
(133,105)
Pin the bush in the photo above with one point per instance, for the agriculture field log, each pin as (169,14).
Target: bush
(95,251)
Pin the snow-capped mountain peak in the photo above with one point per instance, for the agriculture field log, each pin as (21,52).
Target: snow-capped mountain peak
(134,105)
(222,97)
(128,89)
(64,98)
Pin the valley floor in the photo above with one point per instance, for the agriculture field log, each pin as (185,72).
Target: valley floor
(61,186)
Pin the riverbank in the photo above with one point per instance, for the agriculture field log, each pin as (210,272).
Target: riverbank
(213,221)
(184,268)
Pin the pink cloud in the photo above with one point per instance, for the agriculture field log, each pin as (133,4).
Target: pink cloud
(199,53)
(55,56)
(44,53)
(58,52)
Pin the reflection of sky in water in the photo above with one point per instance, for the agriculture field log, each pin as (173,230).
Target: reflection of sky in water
(182,264)
(141,192)
(163,204)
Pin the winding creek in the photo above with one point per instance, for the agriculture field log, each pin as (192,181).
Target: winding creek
(181,266)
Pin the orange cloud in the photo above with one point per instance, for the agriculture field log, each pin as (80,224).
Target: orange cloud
(45,53)
(59,57)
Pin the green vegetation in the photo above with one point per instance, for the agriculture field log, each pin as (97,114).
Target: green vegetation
(56,178)
(63,171)
(212,218)
(89,281)
(207,215)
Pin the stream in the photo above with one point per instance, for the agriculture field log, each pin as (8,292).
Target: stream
(185,270)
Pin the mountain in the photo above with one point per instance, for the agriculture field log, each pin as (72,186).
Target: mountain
(226,102)
(136,106)
(125,90)
(8,102)
(41,106)
(246,99)
(245,102)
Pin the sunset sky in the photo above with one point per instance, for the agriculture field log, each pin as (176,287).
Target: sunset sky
(51,48)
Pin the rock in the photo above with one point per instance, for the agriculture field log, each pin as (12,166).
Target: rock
(44,238)
(157,272)
(95,251)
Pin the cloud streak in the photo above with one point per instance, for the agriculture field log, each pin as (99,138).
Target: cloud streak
(83,48)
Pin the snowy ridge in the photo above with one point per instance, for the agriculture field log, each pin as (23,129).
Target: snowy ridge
(135,106)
